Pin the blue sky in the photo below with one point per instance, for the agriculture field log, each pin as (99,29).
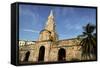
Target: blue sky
(69,20)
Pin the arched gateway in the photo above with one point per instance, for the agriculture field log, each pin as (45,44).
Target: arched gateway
(61,54)
(41,53)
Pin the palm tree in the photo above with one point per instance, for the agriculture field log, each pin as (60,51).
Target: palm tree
(88,42)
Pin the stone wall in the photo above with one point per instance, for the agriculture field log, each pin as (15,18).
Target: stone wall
(51,50)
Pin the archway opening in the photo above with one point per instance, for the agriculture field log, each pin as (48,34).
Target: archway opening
(61,55)
(41,53)
(27,56)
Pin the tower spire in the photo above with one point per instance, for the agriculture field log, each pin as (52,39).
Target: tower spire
(50,24)
(51,14)
(49,32)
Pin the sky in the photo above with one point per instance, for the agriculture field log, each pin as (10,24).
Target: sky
(69,20)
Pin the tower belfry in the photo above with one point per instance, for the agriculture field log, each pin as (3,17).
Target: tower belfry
(49,32)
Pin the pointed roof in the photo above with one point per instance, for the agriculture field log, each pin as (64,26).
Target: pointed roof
(50,24)
(51,14)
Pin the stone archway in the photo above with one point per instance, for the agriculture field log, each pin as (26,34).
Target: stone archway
(61,54)
(27,56)
(41,53)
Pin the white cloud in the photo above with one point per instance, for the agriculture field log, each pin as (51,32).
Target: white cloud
(29,30)
(62,11)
